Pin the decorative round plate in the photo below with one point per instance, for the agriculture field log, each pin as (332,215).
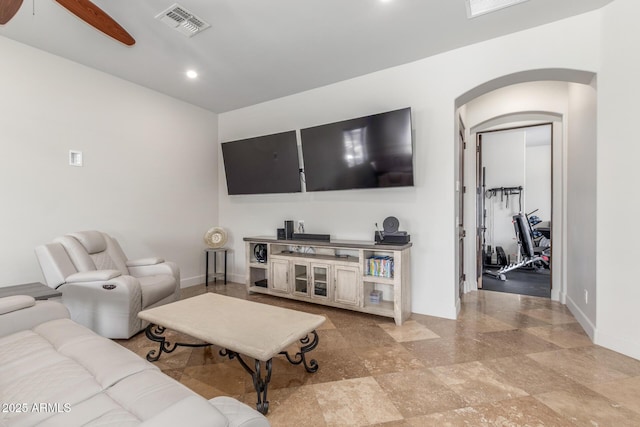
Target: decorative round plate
(390,224)
(215,237)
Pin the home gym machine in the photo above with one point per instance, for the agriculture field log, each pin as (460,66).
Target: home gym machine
(530,256)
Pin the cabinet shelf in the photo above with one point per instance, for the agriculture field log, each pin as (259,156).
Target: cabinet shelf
(335,274)
(376,279)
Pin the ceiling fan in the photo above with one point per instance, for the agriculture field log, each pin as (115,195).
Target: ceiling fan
(83,9)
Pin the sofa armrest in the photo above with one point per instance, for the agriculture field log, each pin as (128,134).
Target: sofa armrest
(16,302)
(192,411)
(239,414)
(144,261)
(92,276)
(108,307)
(30,316)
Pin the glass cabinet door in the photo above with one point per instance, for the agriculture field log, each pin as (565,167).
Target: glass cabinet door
(300,272)
(320,280)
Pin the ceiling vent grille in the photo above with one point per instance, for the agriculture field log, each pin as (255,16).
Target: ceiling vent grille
(183,21)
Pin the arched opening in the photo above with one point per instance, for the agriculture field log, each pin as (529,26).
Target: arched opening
(566,99)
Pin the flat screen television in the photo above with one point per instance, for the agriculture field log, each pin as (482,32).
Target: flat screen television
(261,165)
(368,152)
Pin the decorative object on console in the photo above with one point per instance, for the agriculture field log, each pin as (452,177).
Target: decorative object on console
(215,237)
(281,234)
(311,236)
(288,229)
(260,252)
(390,234)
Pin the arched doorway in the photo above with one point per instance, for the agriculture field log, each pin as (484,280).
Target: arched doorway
(528,97)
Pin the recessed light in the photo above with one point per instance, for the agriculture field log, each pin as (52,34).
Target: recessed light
(192,74)
(480,7)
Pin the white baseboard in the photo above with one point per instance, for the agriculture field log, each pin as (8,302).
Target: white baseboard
(191,281)
(199,280)
(582,318)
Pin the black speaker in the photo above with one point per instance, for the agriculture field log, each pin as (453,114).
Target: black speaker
(288,230)
(281,234)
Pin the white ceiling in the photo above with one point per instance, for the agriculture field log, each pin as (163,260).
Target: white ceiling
(258,50)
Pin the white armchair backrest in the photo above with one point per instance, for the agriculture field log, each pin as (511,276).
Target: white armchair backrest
(55,263)
(93,250)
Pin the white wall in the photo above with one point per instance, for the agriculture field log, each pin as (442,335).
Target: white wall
(538,179)
(430,87)
(618,152)
(581,205)
(150,164)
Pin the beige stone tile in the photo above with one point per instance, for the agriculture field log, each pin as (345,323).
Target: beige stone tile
(337,364)
(387,359)
(228,378)
(205,390)
(328,324)
(624,392)
(590,410)
(577,365)
(554,317)
(514,341)
(418,392)
(444,328)
(476,383)
(408,331)
(331,339)
(355,402)
(560,336)
(611,359)
(517,319)
(446,351)
(366,336)
(293,407)
(530,376)
(519,412)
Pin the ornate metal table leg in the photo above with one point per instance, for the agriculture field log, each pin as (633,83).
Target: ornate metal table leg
(260,383)
(299,357)
(154,333)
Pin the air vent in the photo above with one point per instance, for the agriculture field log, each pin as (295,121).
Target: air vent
(183,21)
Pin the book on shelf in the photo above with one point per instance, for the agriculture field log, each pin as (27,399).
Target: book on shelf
(380,266)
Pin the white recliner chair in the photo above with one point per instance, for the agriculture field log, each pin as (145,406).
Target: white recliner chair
(101,288)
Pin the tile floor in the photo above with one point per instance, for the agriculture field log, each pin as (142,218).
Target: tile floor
(508,360)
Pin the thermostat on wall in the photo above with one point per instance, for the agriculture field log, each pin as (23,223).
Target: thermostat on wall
(75,158)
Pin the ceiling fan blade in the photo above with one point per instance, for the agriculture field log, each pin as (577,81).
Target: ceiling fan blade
(8,8)
(97,18)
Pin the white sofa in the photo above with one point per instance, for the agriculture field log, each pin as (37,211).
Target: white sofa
(55,372)
(102,289)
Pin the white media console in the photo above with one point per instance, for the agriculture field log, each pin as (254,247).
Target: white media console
(354,275)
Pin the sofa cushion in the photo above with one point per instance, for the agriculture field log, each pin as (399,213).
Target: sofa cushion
(106,360)
(33,372)
(156,288)
(99,410)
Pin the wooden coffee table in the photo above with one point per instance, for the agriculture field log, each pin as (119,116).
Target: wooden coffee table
(241,328)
